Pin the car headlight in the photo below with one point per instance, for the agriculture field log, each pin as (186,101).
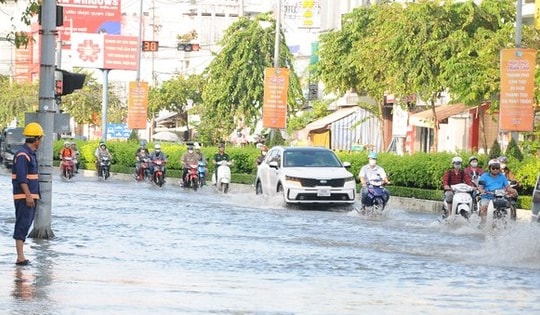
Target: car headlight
(349,179)
(292,179)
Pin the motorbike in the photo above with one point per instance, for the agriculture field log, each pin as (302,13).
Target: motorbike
(462,203)
(68,166)
(104,167)
(191,179)
(159,172)
(202,173)
(223,176)
(144,170)
(374,203)
(501,209)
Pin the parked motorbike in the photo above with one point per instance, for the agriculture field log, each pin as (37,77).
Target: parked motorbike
(144,170)
(374,203)
(192,177)
(462,204)
(159,172)
(223,176)
(202,173)
(105,167)
(68,166)
(501,209)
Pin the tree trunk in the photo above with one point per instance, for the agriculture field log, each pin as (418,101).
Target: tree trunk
(435,146)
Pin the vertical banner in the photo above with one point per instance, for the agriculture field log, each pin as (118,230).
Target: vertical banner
(517,87)
(137,104)
(276,84)
(537,14)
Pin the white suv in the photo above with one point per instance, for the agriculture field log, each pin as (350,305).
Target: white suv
(306,175)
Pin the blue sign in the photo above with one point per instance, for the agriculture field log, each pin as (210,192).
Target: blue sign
(118,131)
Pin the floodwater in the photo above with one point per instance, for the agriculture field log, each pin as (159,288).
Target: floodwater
(123,247)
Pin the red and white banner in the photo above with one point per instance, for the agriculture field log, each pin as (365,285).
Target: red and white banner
(103,51)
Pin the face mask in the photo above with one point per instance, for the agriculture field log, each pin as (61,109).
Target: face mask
(503,165)
(190,151)
(474,164)
(263,153)
(457,166)
(372,162)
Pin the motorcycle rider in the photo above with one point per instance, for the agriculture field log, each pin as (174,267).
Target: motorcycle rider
(372,171)
(189,158)
(142,152)
(510,176)
(65,152)
(157,154)
(474,170)
(76,156)
(218,157)
(101,151)
(260,158)
(453,176)
(490,181)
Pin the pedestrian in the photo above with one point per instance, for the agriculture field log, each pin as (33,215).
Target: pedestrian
(24,178)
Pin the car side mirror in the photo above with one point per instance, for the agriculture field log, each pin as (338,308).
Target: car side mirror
(273,164)
(346,164)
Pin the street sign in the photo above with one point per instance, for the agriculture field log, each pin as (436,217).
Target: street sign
(150,45)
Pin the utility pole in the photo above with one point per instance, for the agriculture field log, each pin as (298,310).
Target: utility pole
(47,109)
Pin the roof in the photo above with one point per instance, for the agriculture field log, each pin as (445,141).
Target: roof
(323,123)
(425,118)
(166,116)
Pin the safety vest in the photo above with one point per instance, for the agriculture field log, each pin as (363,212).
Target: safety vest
(25,170)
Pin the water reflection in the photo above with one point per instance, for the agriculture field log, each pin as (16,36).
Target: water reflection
(24,287)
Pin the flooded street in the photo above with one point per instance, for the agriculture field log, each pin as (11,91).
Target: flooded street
(123,247)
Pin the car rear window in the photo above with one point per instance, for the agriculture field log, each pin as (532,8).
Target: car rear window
(309,158)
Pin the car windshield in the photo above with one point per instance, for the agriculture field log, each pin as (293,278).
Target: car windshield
(310,158)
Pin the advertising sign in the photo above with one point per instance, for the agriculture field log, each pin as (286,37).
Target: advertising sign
(276,84)
(517,89)
(137,104)
(90,16)
(102,51)
(118,131)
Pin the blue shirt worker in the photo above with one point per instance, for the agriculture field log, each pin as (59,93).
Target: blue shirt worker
(488,183)
(25,181)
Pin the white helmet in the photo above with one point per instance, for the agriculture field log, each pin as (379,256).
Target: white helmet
(196,146)
(157,146)
(456,159)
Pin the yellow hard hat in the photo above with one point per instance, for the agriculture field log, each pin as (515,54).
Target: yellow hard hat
(33,129)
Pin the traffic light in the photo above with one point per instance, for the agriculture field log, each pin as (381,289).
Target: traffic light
(187,47)
(67,82)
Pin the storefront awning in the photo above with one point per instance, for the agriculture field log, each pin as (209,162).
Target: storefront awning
(425,118)
(327,120)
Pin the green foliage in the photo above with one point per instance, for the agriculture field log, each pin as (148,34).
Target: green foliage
(233,94)
(513,150)
(134,136)
(319,110)
(275,138)
(495,150)
(16,99)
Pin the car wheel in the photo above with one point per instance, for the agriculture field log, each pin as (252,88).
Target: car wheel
(258,188)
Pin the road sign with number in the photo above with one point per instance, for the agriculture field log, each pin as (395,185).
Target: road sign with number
(150,45)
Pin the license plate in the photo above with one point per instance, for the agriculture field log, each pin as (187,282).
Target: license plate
(323,192)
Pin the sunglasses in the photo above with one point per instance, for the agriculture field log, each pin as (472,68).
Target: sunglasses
(495,168)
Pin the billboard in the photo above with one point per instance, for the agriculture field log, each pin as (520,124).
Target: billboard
(137,104)
(103,51)
(276,85)
(517,89)
(90,16)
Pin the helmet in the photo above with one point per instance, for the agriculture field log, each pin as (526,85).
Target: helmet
(102,144)
(33,129)
(190,147)
(502,159)
(264,148)
(473,158)
(456,159)
(494,162)
(157,146)
(221,145)
(372,155)
(66,143)
(196,146)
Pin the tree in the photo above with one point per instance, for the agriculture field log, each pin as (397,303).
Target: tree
(234,90)
(18,38)
(495,151)
(16,99)
(513,150)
